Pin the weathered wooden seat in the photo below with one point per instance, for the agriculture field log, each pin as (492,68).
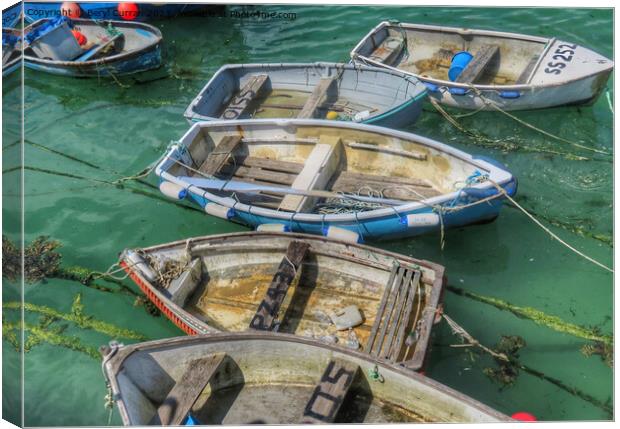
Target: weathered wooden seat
(394,314)
(329,394)
(268,309)
(185,392)
(240,103)
(319,94)
(487,56)
(318,170)
(389,50)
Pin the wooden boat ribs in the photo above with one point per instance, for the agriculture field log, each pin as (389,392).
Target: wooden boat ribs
(394,314)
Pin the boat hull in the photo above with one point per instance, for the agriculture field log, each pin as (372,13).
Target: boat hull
(396,99)
(270,379)
(129,64)
(333,280)
(578,92)
(381,228)
(530,72)
(145,56)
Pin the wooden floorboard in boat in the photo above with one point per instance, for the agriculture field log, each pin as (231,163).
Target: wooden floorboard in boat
(269,164)
(400,188)
(217,158)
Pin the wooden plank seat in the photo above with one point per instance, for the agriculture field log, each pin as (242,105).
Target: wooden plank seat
(320,166)
(485,58)
(239,105)
(329,394)
(220,154)
(269,307)
(322,91)
(185,392)
(394,315)
(389,50)
(401,188)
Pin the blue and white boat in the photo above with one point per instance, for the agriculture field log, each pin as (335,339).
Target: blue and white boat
(339,179)
(111,48)
(11,50)
(344,92)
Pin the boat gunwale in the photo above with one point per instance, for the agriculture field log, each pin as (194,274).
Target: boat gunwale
(356,57)
(203,328)
(498,175)
(113,58)
(191,115)
(113,364)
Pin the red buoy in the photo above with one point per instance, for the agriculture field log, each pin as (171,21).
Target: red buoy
(128,11)
(70,9)
(523,416)
(81,39)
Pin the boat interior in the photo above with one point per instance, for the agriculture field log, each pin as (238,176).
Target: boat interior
(321,158)
(272,382)
(304,91)
(322,290)
(428,53)
(103,39)
(11,50)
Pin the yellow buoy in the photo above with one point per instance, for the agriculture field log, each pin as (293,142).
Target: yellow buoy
(332,115)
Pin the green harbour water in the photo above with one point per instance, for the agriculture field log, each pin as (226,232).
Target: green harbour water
(122,127)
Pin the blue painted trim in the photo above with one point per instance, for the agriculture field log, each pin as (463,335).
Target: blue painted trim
(396,109)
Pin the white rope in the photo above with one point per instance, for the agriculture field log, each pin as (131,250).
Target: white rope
(611,107)
(548,231)
(528,125)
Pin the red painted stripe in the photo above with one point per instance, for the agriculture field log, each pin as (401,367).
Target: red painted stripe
(158,302)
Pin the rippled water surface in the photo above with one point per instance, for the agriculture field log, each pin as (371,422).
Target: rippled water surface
(121,127)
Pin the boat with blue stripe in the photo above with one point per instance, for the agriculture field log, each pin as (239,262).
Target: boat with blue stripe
(109,47)
(339,179)
(11,50)
(344,92)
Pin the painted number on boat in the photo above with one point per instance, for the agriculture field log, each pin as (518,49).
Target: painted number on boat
(562,55)
(238,105)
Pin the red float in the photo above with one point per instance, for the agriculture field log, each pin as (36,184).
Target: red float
(70,10)
(128,11)
(524,417)
(81,39)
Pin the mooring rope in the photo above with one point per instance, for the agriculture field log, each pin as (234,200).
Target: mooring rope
(611,107)
(547,230)
(502,144)
(488,102)
(461,332)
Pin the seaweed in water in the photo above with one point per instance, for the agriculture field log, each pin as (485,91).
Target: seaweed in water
(605,351)
(508,369)
(41,260)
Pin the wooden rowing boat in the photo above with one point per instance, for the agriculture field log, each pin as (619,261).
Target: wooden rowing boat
(314,90)
(332,178)
(266,378)
(311,286)
(113,48)
(508,70)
